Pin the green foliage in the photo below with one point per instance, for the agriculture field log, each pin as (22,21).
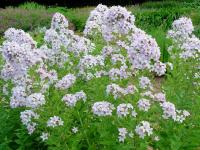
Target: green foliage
(23,19)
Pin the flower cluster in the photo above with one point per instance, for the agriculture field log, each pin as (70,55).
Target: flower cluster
(54,122)
(26,118)
(66,82)
(144,104)
(115,22)
(71,99)
(169,111)
(122,134)
(119,73)
(125,109)
(118,91)
(145,82)
(20,53)
(144,129)
(35,100)
(183,37)
(143,50)
(89,62)
(103,108)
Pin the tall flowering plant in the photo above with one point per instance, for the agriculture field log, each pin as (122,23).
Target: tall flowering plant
(74,93)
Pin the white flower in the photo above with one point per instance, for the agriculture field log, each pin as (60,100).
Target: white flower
(118,74)
(144,104)
(66,82)
(27,116)
(59,22)
(145,82)
(118,91)
(143,129)
(169,110)
(122,134)
(148,94)
(159,68)
(35,100)
(18,97)
(156,138)
(54,122)
(134,113)
(44,136)
(142,50)
(160,97)
(103,108)
(31,127)
(71,99)
(74,129)
(181,115)
(124,109)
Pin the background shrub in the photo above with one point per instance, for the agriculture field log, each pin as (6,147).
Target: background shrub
(23,19)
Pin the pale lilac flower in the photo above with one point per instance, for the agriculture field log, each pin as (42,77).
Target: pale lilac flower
(124,109)
(103,108)
(35,100)
(144,104)
(66,82)
(54,122)
(122,134)
(71,99)
(145,82)
(144,129)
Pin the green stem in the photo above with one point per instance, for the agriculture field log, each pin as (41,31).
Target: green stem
(83,129)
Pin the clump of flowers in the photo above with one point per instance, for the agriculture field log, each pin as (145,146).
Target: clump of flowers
(54,122)
(125,109)
(183,38)
(71,99)
(26,118)
(118,91)
(144,129)
(144,104)
(103,108)
(145,83)
(66,82)
(122,134)
(35,100)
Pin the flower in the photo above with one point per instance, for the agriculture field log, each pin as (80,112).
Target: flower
(159,68)
(124,109)
(74,129)
(169,110)
(143,129)
(160,97)
(71,99)
(144,82)
(103,108)
(118,91)
(44,136)
(35,100)
(144,104)
(66,82)
(122,134)
(54,122)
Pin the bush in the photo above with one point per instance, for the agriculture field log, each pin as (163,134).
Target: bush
(23,19)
